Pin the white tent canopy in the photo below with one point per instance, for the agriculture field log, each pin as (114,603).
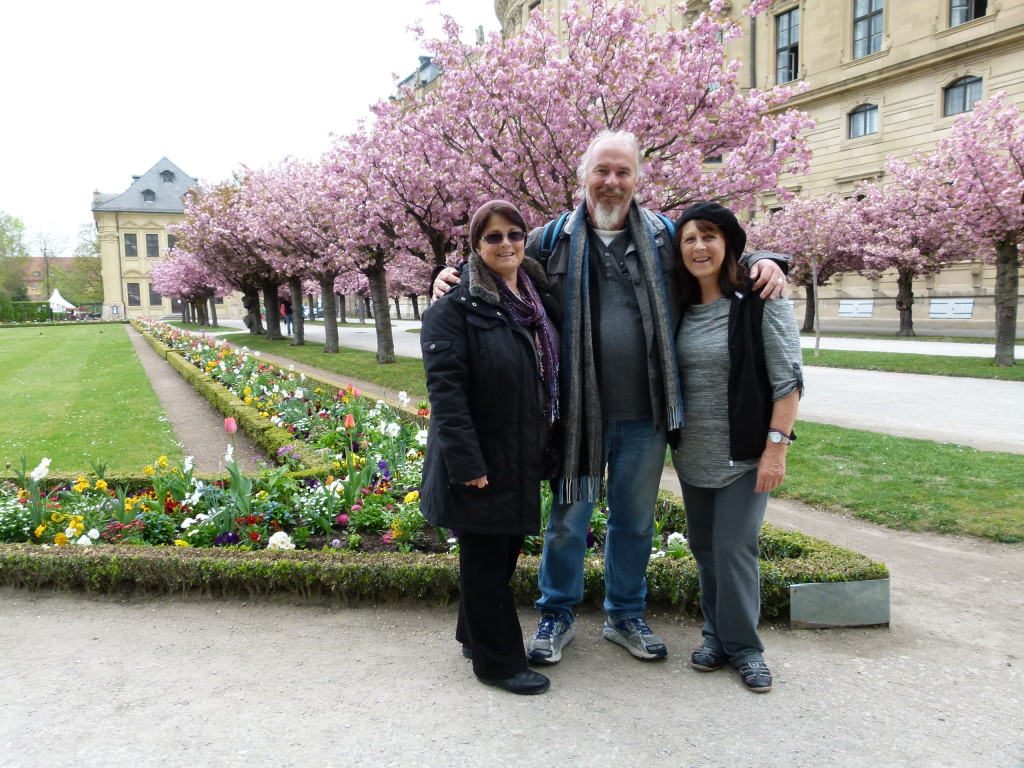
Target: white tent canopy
(58,303)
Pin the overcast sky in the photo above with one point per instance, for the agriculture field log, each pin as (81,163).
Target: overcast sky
(95,93)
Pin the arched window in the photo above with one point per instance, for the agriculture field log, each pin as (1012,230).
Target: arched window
(167,176)
(148,196)
(961,95)
(863,121)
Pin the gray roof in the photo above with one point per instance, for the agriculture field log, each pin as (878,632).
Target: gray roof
(168,196)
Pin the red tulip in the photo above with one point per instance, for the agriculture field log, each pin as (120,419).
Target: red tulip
(350,423)
(230,425)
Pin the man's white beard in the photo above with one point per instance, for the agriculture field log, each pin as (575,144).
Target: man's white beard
(609,216)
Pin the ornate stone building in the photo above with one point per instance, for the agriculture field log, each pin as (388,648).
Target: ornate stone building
(132,228)
(886,78)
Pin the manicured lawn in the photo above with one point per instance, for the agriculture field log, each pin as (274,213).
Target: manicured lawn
(899,362)
(900,482)
(72,394)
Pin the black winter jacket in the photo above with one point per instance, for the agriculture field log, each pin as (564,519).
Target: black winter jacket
(487,409)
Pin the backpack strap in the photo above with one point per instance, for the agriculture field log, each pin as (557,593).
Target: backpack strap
(550,235)
(669,226)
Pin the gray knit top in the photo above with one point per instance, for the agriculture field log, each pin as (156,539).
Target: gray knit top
(702,348)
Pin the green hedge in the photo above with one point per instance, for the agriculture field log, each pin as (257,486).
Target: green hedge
(787,558)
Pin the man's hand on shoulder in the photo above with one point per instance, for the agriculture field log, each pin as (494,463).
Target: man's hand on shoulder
(446,279)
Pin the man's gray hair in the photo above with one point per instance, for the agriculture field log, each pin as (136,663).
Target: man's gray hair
(624,136)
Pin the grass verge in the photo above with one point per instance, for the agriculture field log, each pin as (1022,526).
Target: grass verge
(899,362)
(905,483)
(75,393)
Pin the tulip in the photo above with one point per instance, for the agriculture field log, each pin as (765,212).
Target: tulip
(230,425)
(350,423)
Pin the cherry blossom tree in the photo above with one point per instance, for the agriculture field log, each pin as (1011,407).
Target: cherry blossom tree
(518,113)
(822,237)
(979,168)
(903,226)
(183,275)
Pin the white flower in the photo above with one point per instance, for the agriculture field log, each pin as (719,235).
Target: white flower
(676,538)
(93,534)
(280,540)
(230,455)
(84,541)
(403,398)
(41,471)
(421,437)
(392,430)
(69,532)
(188,521)
(656,554)
(299,394)
(188,463)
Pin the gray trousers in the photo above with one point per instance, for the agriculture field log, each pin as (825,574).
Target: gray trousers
(723,525)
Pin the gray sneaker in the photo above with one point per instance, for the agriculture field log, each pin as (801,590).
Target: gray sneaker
(553,634)
(636,637)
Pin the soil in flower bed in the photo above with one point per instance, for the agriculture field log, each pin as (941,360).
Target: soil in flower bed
(372,542)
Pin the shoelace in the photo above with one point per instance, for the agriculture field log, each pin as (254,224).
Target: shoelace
(754,669)
(638,625)
(546,628)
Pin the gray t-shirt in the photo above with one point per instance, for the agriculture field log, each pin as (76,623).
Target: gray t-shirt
(702,348)
(622,377)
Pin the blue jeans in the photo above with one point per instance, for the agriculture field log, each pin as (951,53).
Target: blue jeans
(635,454)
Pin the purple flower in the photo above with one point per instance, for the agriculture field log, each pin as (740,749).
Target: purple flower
(590,538)
(226,539)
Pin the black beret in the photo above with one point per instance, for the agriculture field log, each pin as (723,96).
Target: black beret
(721,217)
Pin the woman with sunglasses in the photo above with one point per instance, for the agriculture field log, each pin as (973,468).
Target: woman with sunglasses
(490,351)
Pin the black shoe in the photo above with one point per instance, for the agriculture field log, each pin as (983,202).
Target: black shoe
(467,652)
(756,676)
(526,682)
(707,659)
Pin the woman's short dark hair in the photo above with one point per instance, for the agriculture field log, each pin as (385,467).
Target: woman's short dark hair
(731,279)
(493,208)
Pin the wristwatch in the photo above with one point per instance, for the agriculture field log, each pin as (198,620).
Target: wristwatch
(780,437)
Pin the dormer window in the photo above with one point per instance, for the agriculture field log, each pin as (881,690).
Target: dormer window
(167,176)
(148,196)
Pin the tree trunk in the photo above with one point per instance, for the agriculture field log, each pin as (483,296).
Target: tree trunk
(1007,282)
(398,308)
(808,326)
(272,305)
(201,317)
(379,291)
(312,307)
(251,302)
(342,319)
(298,324)
(415,306)
(330,315)
(905,301)
(817,309)
(212,300)
(361,309)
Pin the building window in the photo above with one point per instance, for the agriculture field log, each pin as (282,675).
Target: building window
(167,176)
(171,241)
(153,246)
(134,295)
(148,195)
(219,300)
(962,11)
(787,46)
(155,299)
(867,27)
(863,121)
(131,245)
(961,96)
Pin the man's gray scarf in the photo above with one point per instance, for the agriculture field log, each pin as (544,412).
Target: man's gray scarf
(583,463)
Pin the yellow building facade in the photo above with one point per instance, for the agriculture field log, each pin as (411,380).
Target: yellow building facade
(132,230)
(886,78)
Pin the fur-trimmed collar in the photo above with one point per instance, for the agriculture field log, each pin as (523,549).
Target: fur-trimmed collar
(480,280)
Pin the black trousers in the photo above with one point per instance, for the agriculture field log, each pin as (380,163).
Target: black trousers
(488,620)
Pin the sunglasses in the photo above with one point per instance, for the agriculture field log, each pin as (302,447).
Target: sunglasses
(515,236)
